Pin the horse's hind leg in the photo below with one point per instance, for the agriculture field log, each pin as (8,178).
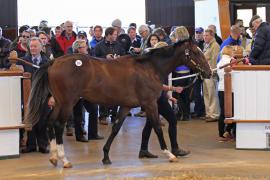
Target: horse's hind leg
(53,149)
(152,114)
(115,129)
(59,130)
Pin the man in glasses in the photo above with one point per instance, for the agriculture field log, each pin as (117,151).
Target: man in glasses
(260,53)
(21,47)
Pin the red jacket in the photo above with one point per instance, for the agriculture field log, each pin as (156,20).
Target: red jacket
(64,42)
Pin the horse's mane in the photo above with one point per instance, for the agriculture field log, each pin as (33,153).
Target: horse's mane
(165,51)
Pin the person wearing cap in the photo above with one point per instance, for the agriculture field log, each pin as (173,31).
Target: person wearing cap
(199,109)
(4,49)
(42,24)
(82,36)
(81,46)
(198,37)
(117,24)
(97,37)
(260,51)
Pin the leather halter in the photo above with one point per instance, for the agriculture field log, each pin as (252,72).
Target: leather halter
(188,58)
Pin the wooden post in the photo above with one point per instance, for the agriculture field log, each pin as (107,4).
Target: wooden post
(228,92)
(224,17)
(26,90)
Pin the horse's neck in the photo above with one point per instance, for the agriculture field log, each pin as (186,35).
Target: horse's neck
(165,66)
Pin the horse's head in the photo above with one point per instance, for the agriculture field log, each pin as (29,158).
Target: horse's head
(193,58)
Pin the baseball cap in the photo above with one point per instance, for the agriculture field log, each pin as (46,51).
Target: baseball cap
(199,30)
(117,23)
(82,33)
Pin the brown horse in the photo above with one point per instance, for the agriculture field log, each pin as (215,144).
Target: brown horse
(129,81)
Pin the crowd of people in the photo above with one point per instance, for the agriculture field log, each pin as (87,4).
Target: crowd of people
(40,44)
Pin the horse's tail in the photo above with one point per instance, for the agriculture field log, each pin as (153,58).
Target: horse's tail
(40,91)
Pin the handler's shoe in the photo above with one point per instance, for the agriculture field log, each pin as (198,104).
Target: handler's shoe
(180,152)
(146,154)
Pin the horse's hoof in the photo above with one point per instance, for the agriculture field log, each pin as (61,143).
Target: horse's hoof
(173,159)
(53,161)
(67,165)
(106,161)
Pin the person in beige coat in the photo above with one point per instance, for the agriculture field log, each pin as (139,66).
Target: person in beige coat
(211,50)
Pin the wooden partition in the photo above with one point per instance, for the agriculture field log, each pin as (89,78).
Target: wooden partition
(251,105)
(11,110)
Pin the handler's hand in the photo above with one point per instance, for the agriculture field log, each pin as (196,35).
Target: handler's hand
(178,89)
(173,100)
(109,56)
(51,102)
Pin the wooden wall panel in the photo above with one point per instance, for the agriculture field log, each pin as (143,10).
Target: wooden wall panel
(170,12)
(8,18)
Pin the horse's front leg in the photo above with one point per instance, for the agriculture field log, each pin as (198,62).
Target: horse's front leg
(115,129)
(59,130)
(152,114)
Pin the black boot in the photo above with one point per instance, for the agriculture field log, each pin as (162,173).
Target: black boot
(96,137)
(146,154)
(81,139)
(180,152)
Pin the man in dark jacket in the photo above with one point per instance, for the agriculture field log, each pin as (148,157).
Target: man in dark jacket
(110,49)
(260,51)
(38,134)
(55,47)
(4,48)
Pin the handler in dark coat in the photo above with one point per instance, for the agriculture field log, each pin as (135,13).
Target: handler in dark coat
(260,51)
